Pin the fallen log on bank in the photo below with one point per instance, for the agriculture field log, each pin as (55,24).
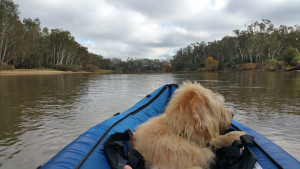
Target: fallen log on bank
(294,68)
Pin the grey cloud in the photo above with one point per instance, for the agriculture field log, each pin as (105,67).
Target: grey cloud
(142,28)
(278,11)
(153,9)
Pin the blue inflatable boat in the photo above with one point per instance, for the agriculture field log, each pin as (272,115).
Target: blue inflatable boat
(87,151)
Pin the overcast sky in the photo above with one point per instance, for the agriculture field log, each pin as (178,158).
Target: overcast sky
(154,28)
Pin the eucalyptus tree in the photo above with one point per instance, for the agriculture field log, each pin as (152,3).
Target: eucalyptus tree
(9,25)
(178,60)
(31,55)
(117,64)
(62,46)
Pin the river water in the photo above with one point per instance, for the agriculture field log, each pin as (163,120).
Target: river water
(40,114)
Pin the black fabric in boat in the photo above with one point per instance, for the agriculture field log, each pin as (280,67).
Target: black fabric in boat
(117,156)
(237,156)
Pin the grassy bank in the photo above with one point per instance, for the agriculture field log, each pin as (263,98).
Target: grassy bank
(46,72)
(32,72)
(102,71)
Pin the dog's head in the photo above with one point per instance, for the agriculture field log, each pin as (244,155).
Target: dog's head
(197,113)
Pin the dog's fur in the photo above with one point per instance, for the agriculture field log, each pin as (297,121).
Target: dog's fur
(183,136)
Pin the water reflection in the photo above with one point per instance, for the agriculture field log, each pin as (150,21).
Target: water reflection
(31,108)
(39,115)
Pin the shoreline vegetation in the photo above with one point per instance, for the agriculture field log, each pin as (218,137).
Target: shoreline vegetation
(259,47)
(54,71)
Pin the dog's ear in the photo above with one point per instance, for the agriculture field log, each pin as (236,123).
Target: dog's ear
(179,109)
(205,117)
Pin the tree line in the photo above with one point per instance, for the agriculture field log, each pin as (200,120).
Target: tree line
(24,44)
(259,43)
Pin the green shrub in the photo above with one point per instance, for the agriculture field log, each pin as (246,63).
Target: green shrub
(230,63)
(5,66)
(291,56)
(272,64)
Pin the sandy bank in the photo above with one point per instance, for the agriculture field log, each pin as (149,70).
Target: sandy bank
(35,72)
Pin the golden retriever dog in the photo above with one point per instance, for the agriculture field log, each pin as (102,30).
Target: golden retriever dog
(183,136)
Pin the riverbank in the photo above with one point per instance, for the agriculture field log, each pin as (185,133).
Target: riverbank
(252,67)
(46,72)
(32,72)
(102,71)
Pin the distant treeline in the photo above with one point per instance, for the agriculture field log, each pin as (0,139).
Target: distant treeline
(261,43)
(24,44)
